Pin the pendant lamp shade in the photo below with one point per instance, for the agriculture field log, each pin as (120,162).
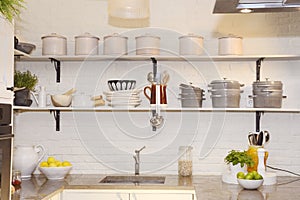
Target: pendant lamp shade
(128,9)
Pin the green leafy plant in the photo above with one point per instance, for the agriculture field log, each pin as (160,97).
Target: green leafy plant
(25,79)
(11,8)
(236,157)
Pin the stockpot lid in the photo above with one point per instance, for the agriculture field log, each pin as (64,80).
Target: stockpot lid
(148,35)
(87,35)
(267,83)
(224,81)
(115,35)
(190,35)
(231,36)
(188,86)
(54,35)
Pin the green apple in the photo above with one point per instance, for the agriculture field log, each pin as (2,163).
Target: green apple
(240,175)
(258,177)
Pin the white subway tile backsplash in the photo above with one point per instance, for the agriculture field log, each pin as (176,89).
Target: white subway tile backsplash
(104,142)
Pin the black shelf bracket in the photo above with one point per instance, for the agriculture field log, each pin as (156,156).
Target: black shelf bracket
(258,67)
(154,70)
(57,68)
(258,113)
(56,114)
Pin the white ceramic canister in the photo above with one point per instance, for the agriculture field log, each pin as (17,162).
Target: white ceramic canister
(115,44)
(147,45)
(86,44)
(190,44)
(54,44)
(231,45)
(26,159)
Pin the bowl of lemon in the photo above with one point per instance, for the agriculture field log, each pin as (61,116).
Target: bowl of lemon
(251,180)
(55,169)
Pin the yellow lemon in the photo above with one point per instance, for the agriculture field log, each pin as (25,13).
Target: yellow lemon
(66,163)
(50,159)
(53,164)
(44,164)
(58,163)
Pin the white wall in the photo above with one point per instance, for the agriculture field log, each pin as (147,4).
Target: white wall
(105,142)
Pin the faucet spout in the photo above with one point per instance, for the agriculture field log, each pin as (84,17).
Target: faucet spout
(137,160)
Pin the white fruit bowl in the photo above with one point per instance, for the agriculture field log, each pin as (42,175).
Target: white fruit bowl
(250,184)
(55,173)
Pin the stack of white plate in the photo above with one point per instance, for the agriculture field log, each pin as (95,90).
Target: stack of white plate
(123,98)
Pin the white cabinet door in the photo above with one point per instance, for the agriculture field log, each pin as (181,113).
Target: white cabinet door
(6,59)
(94,195)
(161,196)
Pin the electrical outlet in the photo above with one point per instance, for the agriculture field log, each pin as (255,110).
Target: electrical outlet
(249,102)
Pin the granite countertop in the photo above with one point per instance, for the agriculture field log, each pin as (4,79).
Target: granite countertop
(206,187)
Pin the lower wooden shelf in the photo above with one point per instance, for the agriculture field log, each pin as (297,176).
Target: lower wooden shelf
(147,109)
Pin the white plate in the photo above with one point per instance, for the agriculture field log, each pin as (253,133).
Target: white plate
(135,98)
(126,101)
(124,105)
(123,98)
(122,92)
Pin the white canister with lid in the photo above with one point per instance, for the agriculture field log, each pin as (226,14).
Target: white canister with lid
(54,44)
(231,45)
(86,44)
(190,44)
(147,45)
(115,44)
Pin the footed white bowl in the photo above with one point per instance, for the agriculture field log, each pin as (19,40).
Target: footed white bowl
(55,173)
(250,184)
(61,100)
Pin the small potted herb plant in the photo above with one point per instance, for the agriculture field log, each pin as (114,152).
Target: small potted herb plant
(24,82)
(238,160)
(10,8)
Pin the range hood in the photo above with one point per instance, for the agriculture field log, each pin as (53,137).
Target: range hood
(256,6)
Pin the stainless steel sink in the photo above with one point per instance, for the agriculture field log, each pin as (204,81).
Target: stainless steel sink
(134,179)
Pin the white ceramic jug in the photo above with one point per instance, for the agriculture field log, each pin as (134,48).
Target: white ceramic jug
(41,101)
(26,159)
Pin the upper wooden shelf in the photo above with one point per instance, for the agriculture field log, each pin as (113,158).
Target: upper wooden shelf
(146,109)
(26,57)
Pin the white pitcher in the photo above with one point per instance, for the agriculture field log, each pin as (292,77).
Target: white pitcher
(26,159)
(41,101)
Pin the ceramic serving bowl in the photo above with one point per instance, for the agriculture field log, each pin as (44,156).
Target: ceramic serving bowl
(55,173)
(250,184)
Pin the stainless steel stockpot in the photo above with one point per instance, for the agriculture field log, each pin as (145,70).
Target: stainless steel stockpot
(225,91)
(268,99)
(267,85)
(191,96)
(226,101)
(225,84)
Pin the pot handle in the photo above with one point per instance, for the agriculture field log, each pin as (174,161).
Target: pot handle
(284,97)
(40,149)
(145,93)
(252,96)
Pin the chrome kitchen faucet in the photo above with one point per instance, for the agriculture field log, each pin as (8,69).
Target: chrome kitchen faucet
(137,160)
